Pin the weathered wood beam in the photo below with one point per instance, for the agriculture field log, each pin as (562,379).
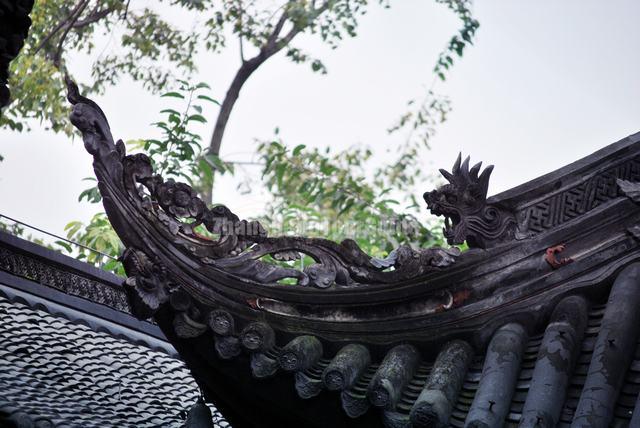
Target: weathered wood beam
(559,350)
(613,351)
(435,402)
(499,377)
(395,371)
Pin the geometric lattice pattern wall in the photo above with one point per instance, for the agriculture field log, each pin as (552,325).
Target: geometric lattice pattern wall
(577,200)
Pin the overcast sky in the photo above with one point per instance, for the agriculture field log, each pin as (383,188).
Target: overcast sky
(547,82)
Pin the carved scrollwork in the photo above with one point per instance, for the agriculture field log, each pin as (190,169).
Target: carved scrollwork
(178,208)
(343,264)
(147,286)
(242,248)
(463,204)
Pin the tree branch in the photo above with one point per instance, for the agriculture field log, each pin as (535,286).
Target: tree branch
(58,54)
(60,26)
(284,41)
(240,32)
(272,46)
(126,10)
(93,17)
(278,28)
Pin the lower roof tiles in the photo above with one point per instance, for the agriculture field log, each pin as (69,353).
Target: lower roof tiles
(536,378)
(57,373)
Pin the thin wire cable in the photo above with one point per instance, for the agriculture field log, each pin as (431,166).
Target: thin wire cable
(244,162)
(57,237)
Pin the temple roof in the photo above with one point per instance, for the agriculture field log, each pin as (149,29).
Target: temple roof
(70,375)
(72,355)
(536,324)
(548,378)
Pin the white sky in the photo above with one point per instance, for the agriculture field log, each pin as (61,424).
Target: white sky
(546,83)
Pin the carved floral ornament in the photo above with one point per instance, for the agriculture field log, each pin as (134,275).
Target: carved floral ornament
(152,215)
(224,288)
(239,247)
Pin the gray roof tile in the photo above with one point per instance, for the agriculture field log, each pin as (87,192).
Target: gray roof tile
(58,373)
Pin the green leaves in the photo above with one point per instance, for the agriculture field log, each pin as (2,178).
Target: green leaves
(422,117)
(298,149)
(172,94)
(65,245)
(36,91)
(98,235)
(207,98)
(458,42)
(313,187)
(217,163)
(309,184)
(196,118)
(142,45)
(151,50)
(92,194)
(178,153)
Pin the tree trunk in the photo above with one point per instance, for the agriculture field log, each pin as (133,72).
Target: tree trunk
(227,105)
(272,46)
(244,72)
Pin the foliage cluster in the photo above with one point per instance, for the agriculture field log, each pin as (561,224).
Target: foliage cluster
(308,185)
(176,154)
(139,40)
(316,192)
(331,194)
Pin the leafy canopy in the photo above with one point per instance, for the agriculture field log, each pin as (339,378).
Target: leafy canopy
(144,44)
(140,40)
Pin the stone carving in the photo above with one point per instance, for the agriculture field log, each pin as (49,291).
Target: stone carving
(463,204)
(218,288)
(630,189)
(306,386)
(262,365)
(146,285)
(63,280)
(470,217)
(239,247)
(567,204)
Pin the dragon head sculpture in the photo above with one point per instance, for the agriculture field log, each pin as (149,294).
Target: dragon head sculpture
(463,204)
